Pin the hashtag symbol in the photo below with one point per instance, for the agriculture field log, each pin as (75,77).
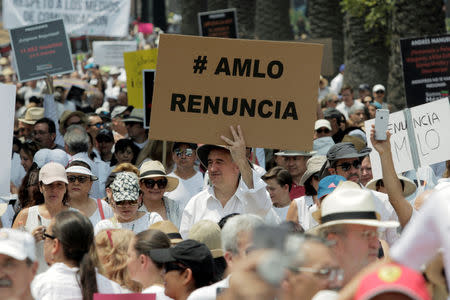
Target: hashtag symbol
(200,64)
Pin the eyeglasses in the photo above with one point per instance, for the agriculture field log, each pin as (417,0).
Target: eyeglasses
(127,202)
(48,236)
(331,274)
(324,130)
(150,183)
(81,179)
(370,234)
(173,267)
(98,125)
(379,92)
(347,166)
(188,152)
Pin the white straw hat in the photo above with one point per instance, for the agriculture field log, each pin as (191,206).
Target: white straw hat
(155,168)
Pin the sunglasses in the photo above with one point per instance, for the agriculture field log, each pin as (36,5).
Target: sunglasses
(379,92)
(47,236)
(324,130)
(150,183)
(81,179)
(98,125)
(347,166)
(127,202)
(188,152)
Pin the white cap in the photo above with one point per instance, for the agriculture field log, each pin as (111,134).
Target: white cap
(17,244)
(52,172)
(378,87)
(45,155)
(322,123)
(118,110)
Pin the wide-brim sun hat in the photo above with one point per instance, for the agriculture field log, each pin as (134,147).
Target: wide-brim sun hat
(409,185)
(313,165)
(349,204)
(32,115)
(155,168)
(81,170)
(136,115)
(203,152)
(169,229)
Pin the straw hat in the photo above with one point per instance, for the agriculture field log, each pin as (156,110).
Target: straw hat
(154,168)
(409,185)
(349,204)
(32,115)
(208,233)
(313,165)
(169,229)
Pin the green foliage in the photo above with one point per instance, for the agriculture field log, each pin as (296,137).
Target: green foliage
(376,12)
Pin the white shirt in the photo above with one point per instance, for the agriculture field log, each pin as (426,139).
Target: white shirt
(59,282)
(272,217)
(205,205)
(281,212)
(426,233)
(336,84)
(209,292)
(136,226)
(186,189)
(305,208)
(157,290)
(344,109)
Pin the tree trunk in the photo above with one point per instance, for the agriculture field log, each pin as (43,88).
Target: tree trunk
(159,14)
(246,17)
(189,11)
(272,20)
(411,18)
(326,21)
(217,4)
(366,53)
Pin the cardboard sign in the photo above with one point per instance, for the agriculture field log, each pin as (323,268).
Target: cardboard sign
(80,45)
(204,85)
(426,73)
(218,23)
(135,63)
(101,18)
(8,92)
(431,123)
(149,82)
(110,53)
(40,49)
(124,296)
(327,61)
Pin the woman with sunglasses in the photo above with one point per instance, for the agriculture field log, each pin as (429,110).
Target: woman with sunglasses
(34,219)
(80,180)
(301,208)
(124,195)
(154,182)
(68,243)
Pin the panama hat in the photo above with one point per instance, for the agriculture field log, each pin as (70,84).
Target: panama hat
(408,189)
(155,168)
(313,165)
(207,232)
(169,229)
(203,152)
(349,204)
(32,115)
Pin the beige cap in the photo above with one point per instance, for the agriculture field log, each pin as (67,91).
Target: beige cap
(208,233)
(52,172)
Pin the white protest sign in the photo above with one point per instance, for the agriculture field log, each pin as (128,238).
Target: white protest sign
(101,18)
(8,93)
(431,123)
(110,53)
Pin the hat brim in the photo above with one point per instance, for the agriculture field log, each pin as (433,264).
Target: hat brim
(298,153)
(13,252)
(133,119)
(81,170)
(172,182)
(29,122)
(162,255)
(409,186)
(54,179)
(366,222)
(203,152)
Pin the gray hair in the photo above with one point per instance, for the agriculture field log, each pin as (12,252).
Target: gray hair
(76,139)
(295,245)
(236,225)
(355,107)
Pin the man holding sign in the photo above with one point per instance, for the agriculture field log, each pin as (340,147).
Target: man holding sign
(236,187)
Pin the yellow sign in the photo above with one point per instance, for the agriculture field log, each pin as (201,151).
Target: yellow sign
(135,62)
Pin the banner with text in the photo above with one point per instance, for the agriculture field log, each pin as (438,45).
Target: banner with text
(101,18)
(135,63)
(218,23)
(40,49)
(431,123)
(426,70)
(204,85)
(110,53)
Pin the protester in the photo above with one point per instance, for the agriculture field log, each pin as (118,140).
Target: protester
(29,193)
(18,264)
(378,95)
(337,121)
(337,82)
(67,242)
(27,122)
(347,101)
(154,183)
(169,229)
(279,183)
(366,170)
(105,142)
(27,152)
(125,151)
(112,246)
(141,268)
(322,128)
(124,195)
(135,127)
(44,134)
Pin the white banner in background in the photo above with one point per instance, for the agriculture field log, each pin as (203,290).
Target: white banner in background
(8,92)
(81,17)
(110,53)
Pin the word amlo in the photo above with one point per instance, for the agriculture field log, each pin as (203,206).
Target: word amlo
(233,107)
(244,68)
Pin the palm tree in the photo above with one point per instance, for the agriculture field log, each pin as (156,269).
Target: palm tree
(217,4)
(272,20)
(246,17)
(410,18)
(189,11)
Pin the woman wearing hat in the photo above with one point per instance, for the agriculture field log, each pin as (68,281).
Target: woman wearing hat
(80,180)
(125,199)
(301,208)
(154,182)
(53,185)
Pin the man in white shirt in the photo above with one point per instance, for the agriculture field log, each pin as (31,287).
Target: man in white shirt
(336,82)
(236,187)
(347,101)
(190,181)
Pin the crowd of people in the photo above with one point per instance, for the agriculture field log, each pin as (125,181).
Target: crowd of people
(97,207)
